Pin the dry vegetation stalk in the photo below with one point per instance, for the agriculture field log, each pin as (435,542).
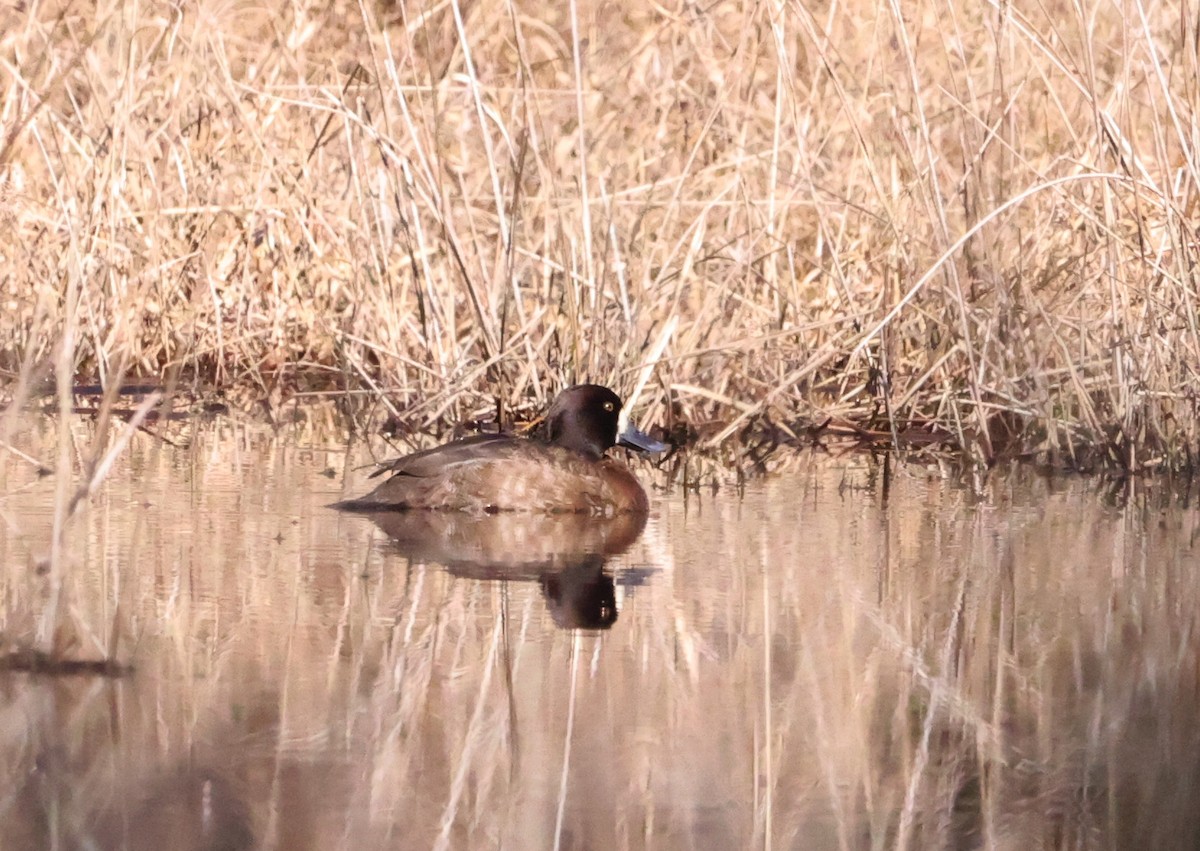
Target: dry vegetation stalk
(969,220)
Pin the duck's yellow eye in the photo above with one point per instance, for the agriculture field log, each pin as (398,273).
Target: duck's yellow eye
(608,406)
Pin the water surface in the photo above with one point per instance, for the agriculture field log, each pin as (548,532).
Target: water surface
(814,661)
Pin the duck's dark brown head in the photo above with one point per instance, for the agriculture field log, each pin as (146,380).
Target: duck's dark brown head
(586,418)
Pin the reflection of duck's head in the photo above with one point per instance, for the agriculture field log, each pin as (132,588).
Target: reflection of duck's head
(561,469)
(582,595)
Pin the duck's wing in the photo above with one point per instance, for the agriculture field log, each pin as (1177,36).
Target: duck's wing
(440,459)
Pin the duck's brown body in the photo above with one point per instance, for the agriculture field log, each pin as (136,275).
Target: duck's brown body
(502,473)
(563,471)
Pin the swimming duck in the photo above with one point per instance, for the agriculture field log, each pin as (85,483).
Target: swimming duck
(561,469)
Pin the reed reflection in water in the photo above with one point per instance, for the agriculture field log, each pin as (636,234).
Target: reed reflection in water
(805,665)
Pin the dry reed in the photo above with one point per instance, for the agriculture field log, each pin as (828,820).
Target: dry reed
(971,221)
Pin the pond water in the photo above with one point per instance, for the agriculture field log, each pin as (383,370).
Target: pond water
(827,658)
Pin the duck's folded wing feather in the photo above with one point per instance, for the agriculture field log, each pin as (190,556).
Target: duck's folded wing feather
(440,459)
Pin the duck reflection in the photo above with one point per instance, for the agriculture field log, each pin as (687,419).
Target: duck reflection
(566,554)
(581,595)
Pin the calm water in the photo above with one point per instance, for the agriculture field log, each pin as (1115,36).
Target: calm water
(811,663)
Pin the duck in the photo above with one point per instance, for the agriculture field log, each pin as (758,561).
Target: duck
(561,468)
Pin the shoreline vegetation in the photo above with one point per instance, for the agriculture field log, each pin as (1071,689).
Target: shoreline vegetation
(938,224)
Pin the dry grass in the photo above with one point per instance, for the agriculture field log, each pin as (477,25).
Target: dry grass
(974,219)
